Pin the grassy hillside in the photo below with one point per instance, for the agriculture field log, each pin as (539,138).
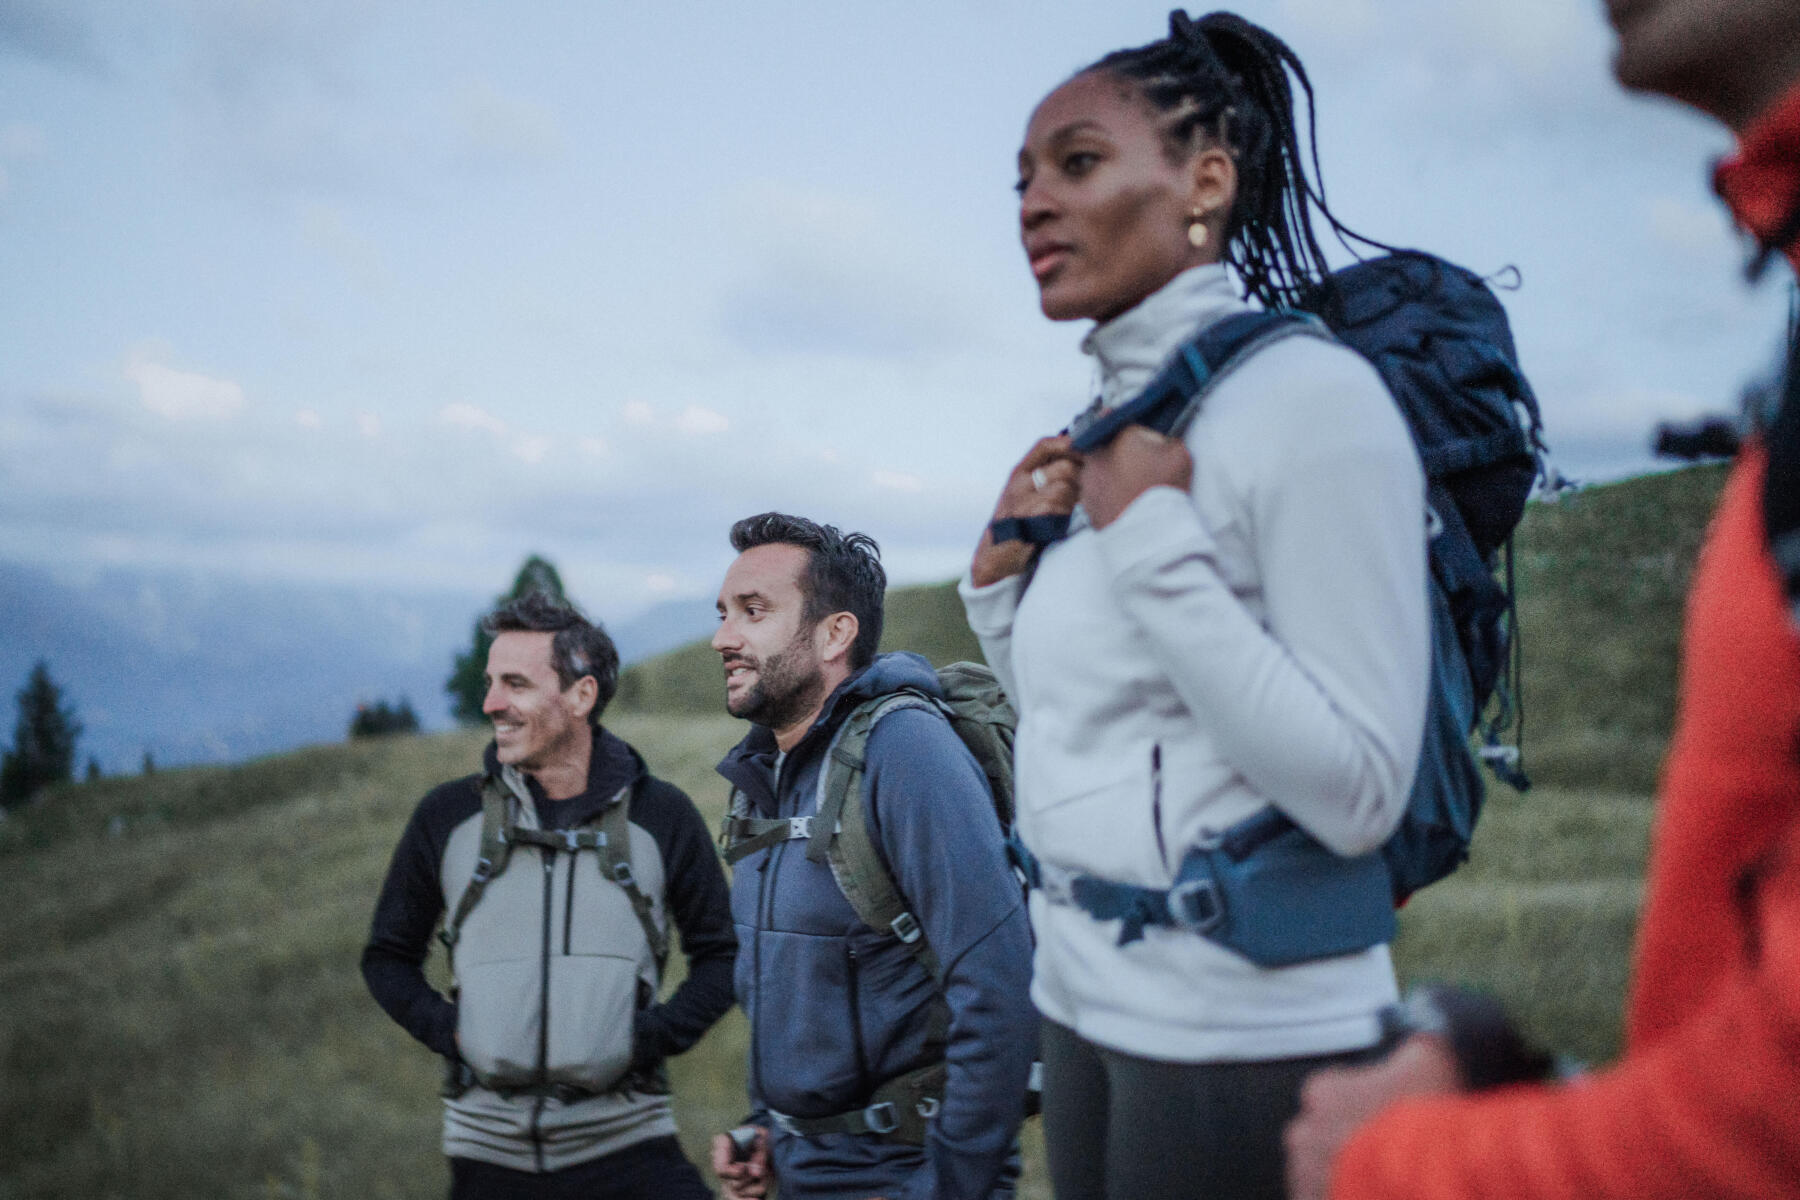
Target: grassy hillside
(183,1015)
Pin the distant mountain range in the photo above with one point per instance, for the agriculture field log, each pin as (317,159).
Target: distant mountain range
(198,668)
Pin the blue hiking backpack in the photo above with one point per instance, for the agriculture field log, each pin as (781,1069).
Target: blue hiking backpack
(1440,340)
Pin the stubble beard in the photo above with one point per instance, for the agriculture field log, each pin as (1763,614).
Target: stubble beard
(787,686)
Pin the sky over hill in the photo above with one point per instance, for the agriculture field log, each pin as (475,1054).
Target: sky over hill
(389,295)
(195,667)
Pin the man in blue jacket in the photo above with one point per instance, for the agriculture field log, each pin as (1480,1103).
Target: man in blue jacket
(838,1009)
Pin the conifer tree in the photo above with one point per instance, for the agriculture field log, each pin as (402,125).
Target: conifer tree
(43,746)
(466,684)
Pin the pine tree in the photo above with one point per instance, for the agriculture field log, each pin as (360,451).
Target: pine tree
(467,684)
(43,749)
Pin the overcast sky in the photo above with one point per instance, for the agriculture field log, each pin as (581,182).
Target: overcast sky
(395,293)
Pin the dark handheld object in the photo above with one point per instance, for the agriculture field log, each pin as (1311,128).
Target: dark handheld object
(1490,1051)
(1709,437)
(743,1141)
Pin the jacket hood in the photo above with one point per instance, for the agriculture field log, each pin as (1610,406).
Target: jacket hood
(1761,182)
(612,765)
(888,673)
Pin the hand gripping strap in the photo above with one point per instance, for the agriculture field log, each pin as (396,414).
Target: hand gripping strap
(1042,530)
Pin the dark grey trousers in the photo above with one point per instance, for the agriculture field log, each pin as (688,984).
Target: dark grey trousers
(1118,1127)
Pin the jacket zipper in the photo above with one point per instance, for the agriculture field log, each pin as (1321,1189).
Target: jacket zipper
(1162,850)
(569,906)
(543,1063)
(862,1058)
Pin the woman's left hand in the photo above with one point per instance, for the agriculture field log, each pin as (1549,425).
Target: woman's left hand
(1135,461)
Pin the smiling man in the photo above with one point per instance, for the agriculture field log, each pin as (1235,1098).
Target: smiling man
(888,1061)
(560,866)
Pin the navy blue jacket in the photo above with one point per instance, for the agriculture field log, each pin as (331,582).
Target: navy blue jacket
(837,1008)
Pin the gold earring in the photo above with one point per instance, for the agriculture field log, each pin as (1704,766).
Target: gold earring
(1197,229)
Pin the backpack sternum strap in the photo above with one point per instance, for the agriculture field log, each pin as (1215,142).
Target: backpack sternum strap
(743,836)
(610,842)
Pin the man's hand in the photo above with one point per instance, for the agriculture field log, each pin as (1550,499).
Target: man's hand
(1044,483)
(1135,461)
(1336,1102)
(745,1178)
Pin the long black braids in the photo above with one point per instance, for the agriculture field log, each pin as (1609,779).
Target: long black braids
(1225,79)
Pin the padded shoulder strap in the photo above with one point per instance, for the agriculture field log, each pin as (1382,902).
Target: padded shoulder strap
(490,859)
(844,841)
(614,854)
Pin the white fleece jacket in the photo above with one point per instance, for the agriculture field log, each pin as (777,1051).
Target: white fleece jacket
(1266,637)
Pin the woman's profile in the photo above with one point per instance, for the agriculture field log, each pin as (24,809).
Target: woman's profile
(1236,620)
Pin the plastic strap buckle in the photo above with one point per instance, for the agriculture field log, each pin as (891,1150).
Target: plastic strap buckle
(571,840)
(927,1107)
(881,1117)
(1195,905)
(622,873)
(906,928)
(799,827)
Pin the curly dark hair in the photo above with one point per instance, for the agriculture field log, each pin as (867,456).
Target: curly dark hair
(843,572)
(580,647)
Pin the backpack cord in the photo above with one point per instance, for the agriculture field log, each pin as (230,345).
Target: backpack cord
(1515,668)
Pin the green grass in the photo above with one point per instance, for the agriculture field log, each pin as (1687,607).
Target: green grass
(183,1016)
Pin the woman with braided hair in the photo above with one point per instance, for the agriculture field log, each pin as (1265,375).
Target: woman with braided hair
(1234,623)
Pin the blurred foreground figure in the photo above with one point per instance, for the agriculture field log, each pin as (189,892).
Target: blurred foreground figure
(558,870)
(1703,1101)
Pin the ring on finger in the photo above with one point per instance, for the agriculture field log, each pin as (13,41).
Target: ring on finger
(1038,479)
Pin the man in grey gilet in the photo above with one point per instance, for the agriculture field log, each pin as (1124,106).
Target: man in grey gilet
(557,872)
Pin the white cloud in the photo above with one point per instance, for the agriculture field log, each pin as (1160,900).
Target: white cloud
(505,130)
(897,481)
(20,140)
(531,447)
(308,418)
(596,447)
(659,581)
(698,420)
(1688,225)
(469,416)
(360,259)
(368,424)
(636,412)
(184,395)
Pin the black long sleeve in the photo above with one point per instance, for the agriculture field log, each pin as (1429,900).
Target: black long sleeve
(699,902)
(406,915)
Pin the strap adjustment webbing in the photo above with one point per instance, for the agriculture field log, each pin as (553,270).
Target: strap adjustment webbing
(900,1110)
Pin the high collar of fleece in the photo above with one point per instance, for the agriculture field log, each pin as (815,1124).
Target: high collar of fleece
(1761,182)
(1130,347)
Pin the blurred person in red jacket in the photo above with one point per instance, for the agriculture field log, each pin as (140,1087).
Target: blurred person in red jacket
(1705,1100)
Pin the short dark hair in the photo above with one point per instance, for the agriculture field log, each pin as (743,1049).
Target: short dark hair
(580,647)
(843,572)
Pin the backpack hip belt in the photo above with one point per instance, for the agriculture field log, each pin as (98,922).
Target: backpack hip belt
(900,1110)
(1262,889)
